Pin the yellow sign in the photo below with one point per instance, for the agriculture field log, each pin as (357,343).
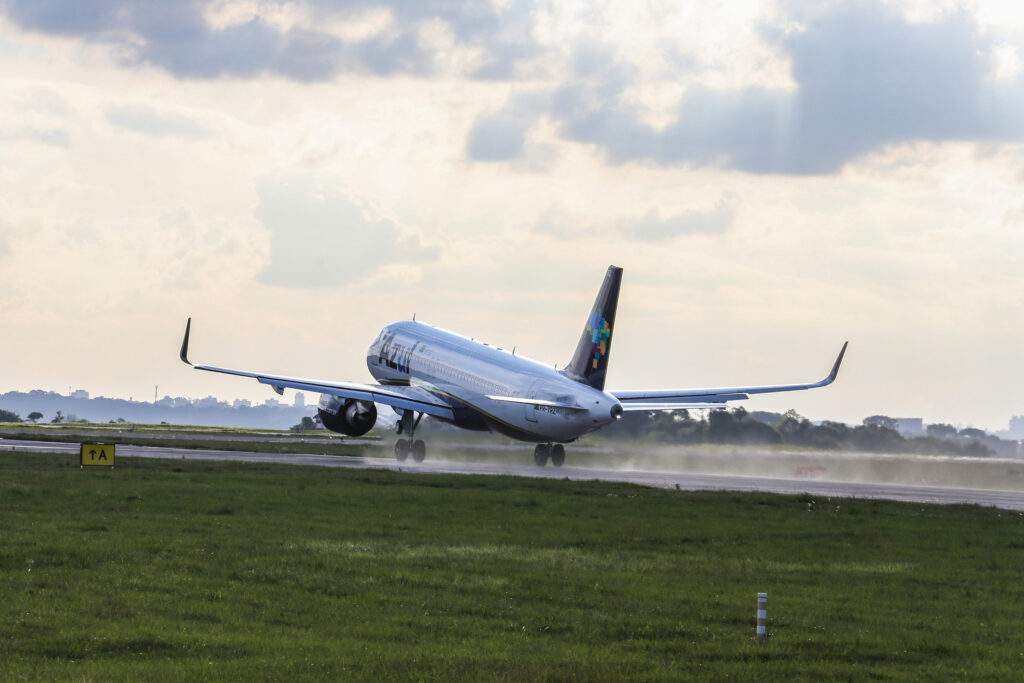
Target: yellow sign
(97,454)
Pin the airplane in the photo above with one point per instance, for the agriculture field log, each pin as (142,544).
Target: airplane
(424,370)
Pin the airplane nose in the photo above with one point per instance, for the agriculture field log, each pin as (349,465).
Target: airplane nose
(616,412)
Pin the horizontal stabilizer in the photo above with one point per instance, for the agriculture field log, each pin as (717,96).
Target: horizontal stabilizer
(535,402)
(627,397)
(634,407)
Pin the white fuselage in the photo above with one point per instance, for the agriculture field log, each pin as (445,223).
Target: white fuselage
(483,384)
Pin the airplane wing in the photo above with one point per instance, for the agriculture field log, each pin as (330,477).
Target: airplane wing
(711,398)
(409,398)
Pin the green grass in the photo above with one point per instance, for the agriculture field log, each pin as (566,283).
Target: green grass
(169,570)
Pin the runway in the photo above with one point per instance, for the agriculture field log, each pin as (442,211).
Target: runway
(1009,500)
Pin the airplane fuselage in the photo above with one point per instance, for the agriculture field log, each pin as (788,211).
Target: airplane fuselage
(480,382)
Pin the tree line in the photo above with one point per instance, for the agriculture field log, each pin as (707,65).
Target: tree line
(877,434)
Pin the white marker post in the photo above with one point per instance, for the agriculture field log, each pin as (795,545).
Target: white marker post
(762,616)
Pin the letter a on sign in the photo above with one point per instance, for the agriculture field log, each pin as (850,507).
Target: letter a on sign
(97,454)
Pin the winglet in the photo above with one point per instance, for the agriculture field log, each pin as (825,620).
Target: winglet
(835,368)
(184,343)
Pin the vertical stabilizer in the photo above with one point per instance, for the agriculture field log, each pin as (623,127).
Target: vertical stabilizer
(590,362)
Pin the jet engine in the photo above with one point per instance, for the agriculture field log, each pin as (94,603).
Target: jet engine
(347,415)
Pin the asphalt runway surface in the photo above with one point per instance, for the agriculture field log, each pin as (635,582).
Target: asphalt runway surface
(688,481)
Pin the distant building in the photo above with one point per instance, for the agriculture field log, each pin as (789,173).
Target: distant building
(300,400)
(80,393)
(910,426)
(176,402)
(272,402)
(1017,427)
(241,403)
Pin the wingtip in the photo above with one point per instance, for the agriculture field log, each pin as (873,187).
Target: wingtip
(839,361)
(184,343)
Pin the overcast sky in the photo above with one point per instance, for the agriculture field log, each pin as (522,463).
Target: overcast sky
(775,178)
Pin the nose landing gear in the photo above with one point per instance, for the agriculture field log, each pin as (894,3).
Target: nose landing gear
(543,451)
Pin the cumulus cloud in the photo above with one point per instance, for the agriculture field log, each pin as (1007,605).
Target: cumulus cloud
(177,37)
(321,238)
(142,119)
(865,77)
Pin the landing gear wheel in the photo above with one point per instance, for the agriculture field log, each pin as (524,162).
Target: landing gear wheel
(419,450)
(401,450)
(540,454)
(557,455)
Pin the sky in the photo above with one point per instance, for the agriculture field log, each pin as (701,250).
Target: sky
(775,178)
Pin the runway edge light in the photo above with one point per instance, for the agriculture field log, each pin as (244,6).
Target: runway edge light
(96,455)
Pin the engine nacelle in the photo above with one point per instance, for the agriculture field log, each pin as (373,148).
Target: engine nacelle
(347,415)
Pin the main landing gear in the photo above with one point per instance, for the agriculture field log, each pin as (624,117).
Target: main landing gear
(406,447)
(543,451)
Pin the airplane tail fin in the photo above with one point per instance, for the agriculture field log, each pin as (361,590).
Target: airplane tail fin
(589,364)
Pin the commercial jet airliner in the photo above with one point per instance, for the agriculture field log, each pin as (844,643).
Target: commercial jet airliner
(423,370)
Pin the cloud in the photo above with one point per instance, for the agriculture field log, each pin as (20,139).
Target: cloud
(500,135)
(321,238)
(562,226)
(243,50)
(56,137)
(142,119)
(42,100)
(865,78)
(177,37)
(653,227)
(497,137)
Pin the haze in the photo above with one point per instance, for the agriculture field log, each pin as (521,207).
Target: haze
(775,178)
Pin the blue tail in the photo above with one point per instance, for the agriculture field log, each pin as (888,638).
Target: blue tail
(589,364)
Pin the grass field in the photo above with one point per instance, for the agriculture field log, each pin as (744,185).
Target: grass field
(167,570)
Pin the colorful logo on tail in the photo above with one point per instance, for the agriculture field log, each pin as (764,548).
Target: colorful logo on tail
(600,332)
